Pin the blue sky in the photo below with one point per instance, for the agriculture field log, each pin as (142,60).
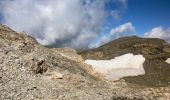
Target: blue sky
(91,23)
(144,15)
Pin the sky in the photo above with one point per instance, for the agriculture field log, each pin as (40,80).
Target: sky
(86,23)
(147,14)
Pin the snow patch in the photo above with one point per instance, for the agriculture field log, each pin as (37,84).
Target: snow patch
(168,61)
(122,66)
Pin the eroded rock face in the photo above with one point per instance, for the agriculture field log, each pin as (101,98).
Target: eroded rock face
(156,51)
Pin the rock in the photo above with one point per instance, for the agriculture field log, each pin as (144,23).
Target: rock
(168,61)
(1,59)
(56,75)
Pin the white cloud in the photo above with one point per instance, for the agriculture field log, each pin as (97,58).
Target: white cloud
(159,32)
(57,22)
(123,30)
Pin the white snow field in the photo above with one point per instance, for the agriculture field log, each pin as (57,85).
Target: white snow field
(114,69)
(168,61)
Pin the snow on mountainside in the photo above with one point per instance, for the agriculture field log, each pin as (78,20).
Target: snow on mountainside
(122,66)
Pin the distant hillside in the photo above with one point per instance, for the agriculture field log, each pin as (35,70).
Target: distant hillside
(156,51)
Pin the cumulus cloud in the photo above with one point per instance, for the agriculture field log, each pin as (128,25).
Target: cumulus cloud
(123,30)
(57,22)
(159,32)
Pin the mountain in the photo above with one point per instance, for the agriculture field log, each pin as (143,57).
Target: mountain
(30,71)
(156,52)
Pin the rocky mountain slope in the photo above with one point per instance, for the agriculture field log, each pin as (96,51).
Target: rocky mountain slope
(29,71)
(156,52)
